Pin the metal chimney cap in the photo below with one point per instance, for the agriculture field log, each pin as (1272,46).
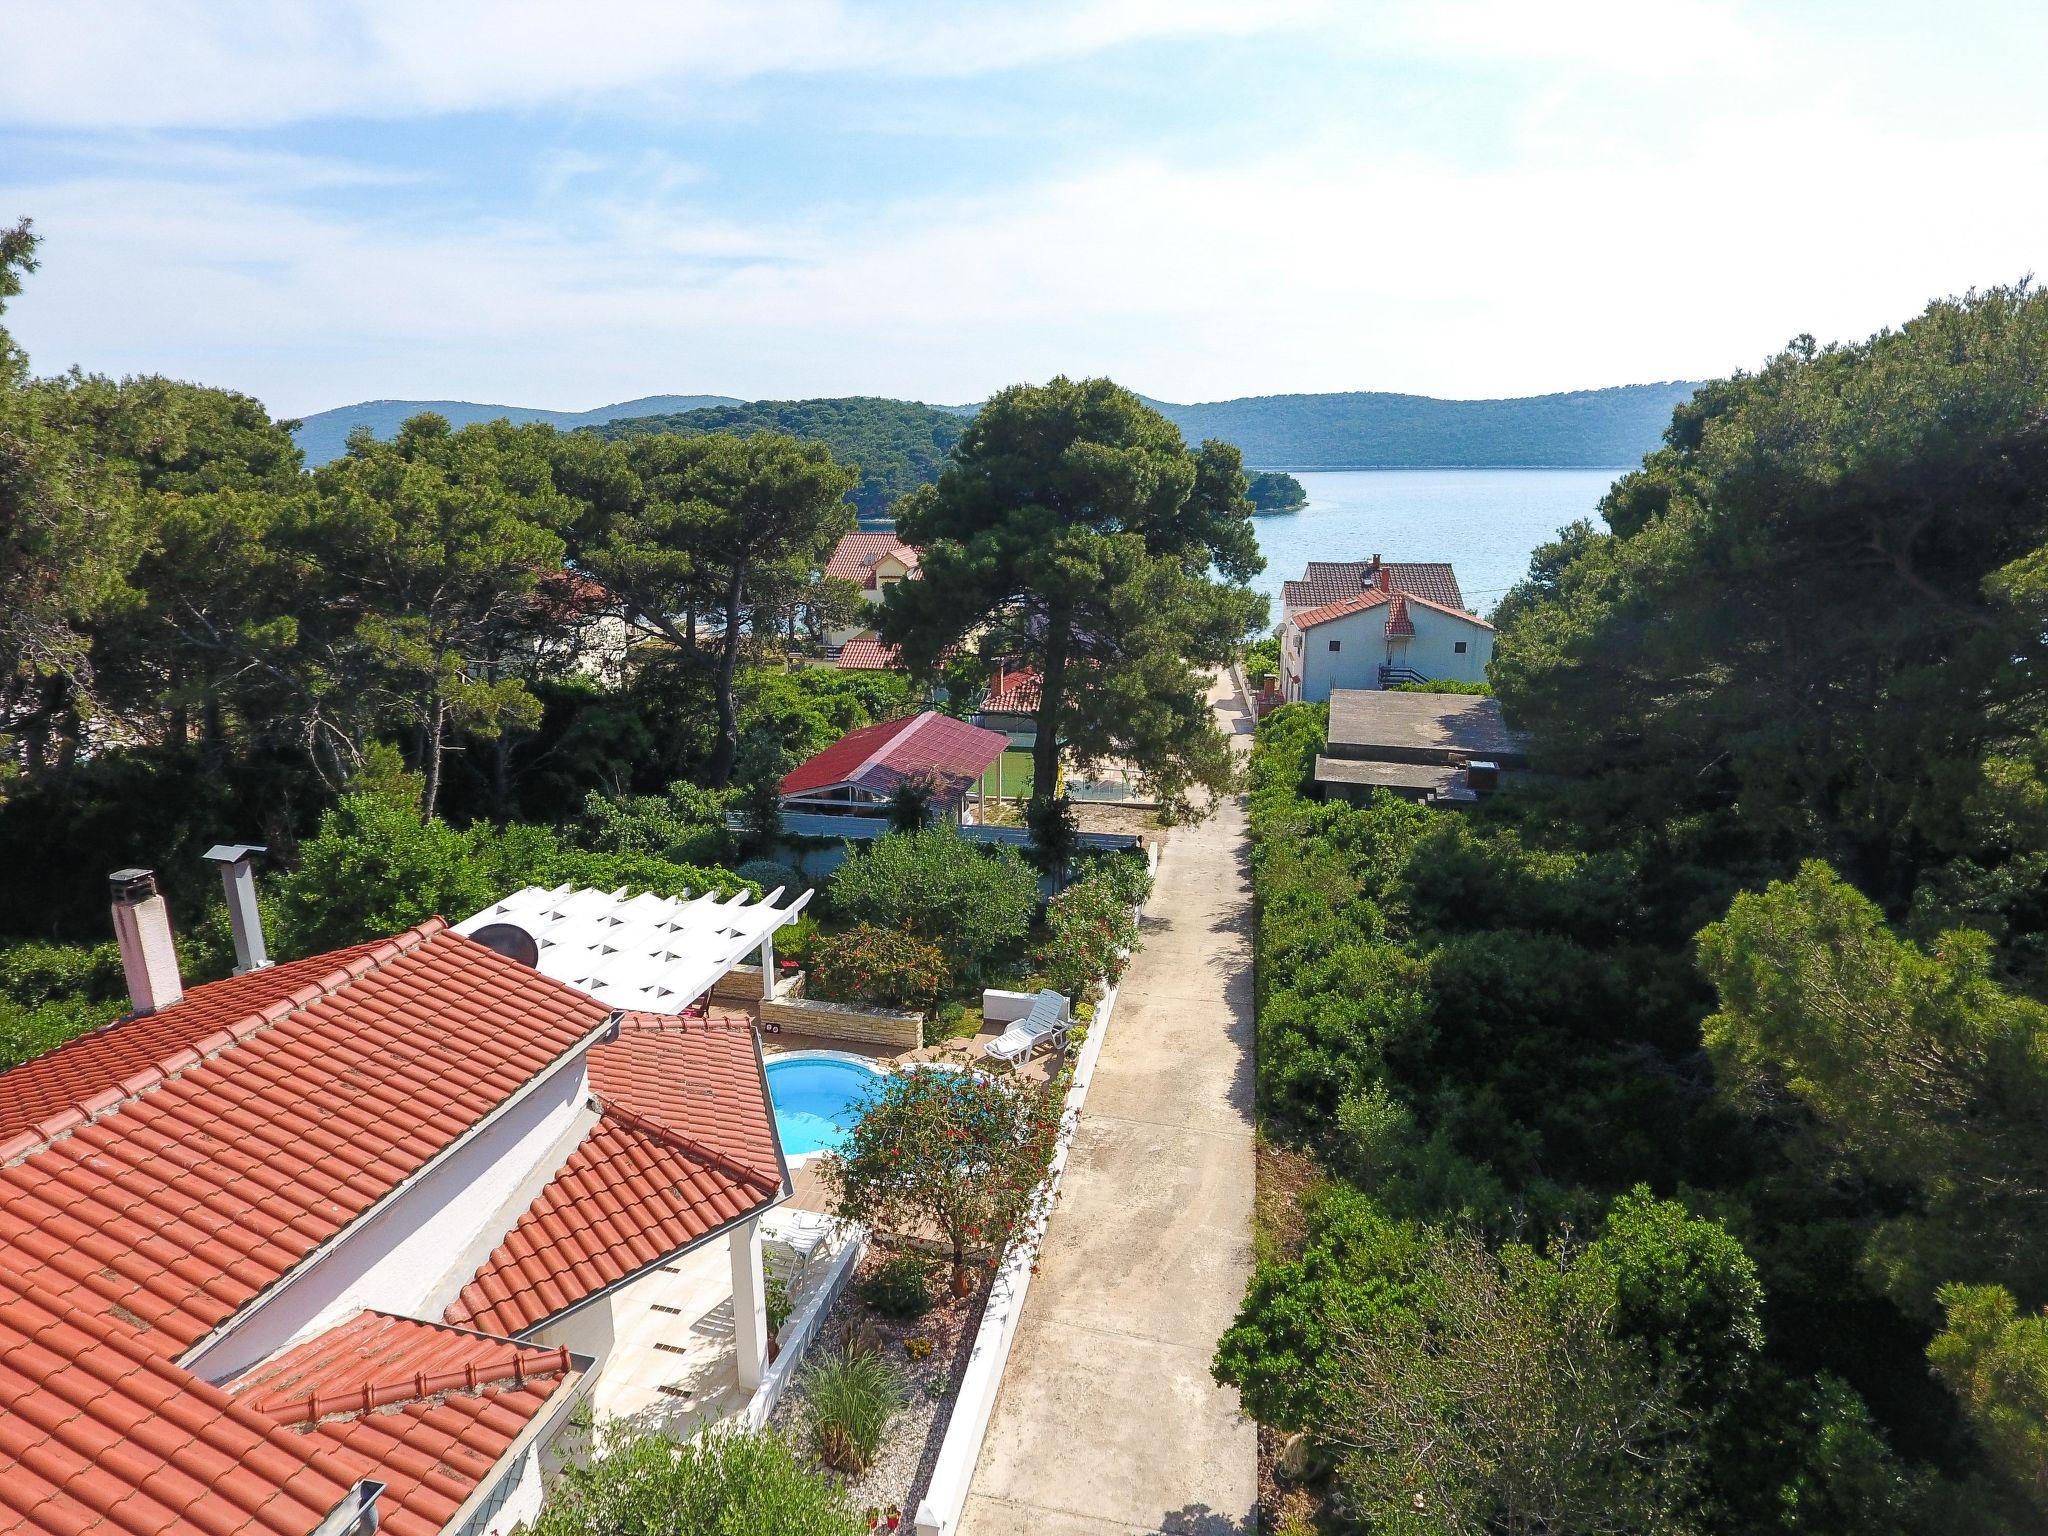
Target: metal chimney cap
(232,853)
(133,884)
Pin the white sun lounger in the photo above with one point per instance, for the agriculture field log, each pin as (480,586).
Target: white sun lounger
(1048,1016)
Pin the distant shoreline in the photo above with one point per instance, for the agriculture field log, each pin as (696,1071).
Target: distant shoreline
(1375,469)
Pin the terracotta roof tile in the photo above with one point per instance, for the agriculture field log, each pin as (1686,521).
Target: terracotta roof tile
(685,1144)
(853,558)
(868,655)
(99,1433)
(1014,693)
(1343,607)
(1325,581)
(94,1063)
(879,757)
(179,1208)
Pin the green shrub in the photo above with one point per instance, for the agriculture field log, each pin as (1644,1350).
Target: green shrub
(900,1287)
(724,1483)
(771,874)
(975,902)
(1088,928)
(867,964)
(849,1397)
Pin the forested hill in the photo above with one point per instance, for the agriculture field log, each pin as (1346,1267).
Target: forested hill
(1586,428)
(322,436)
(898,444)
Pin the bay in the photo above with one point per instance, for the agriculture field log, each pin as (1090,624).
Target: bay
(1485,522)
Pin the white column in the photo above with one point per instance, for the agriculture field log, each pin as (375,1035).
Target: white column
(749,1304)
(768,969)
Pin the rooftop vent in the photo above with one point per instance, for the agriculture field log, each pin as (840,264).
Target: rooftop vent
(238,880)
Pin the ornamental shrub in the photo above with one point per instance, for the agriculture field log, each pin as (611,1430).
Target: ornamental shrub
(935,884)
(955,1153)
(849,1397)
(723,1483)
(1088,928)
(869,964)
(900,1287)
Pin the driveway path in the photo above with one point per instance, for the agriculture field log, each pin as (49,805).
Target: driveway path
(1108,1420)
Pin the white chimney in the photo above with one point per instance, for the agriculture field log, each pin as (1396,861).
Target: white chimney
(143,925)
(239,882)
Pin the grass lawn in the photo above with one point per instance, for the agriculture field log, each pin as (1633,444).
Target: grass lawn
(1016,771)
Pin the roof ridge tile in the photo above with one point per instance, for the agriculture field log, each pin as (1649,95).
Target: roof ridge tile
(648,1125)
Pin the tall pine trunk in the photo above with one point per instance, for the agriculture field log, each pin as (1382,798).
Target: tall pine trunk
(719,771)
(437,731)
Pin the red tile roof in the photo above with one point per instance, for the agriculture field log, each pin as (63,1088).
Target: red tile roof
(853,559)
(1325,581)
(431,1409)
(100,1433)
(176,1167)
(1372,597)
(685,1143)
(868,655)
(79,1069)
(1358,602)
(1014,693)
(175,1198)
(879,757)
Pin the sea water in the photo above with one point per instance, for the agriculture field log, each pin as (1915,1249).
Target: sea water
(1485,522)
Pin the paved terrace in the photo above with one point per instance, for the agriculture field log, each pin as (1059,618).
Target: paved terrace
(1108,1420)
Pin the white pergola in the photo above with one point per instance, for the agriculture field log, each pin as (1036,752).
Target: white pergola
(653,954)
(649,954)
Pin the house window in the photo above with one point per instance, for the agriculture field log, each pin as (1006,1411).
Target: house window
(1336,645)
(1459,647)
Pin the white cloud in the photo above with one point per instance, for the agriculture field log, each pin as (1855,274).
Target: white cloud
(246,63)
(1330,266)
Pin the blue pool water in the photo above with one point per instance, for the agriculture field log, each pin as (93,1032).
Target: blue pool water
(817,1099)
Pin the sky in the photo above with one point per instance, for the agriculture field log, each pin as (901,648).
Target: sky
(566,205)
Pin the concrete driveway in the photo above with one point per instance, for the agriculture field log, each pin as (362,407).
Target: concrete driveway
(1108,1419)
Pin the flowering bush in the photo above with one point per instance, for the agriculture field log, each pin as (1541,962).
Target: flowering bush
(1087,929)
(958,1154)
(867,964)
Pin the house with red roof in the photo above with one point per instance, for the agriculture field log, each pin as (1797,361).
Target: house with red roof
(857,774)
(874,562)
(340,1245)
(1379,635)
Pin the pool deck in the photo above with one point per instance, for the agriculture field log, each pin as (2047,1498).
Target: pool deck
(808,1192)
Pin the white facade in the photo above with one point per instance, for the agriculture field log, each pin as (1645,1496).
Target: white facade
(1349,650)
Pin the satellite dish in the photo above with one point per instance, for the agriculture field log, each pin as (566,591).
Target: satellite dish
(511,941)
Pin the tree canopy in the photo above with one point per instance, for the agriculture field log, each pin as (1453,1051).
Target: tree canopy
(1075,533)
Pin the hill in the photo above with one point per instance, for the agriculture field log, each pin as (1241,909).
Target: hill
(898,444)
(322,436)
(1586,428)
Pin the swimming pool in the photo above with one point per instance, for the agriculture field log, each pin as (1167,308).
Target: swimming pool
(816,1096)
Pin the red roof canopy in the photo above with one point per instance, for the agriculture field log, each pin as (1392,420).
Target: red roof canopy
(877,758)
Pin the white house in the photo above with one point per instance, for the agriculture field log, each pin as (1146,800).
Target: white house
(340,1245)
(874,562)
(1379,637)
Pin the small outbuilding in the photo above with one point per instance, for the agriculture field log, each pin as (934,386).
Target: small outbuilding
(1445,748)
(858,773)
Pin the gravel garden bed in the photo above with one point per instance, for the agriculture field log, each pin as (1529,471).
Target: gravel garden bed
(910,1444)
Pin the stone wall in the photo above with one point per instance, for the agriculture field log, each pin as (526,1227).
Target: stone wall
(845,1021)
(742,984)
